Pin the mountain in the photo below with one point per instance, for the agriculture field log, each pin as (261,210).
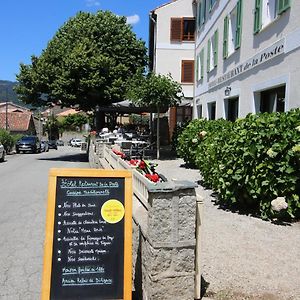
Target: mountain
(8,94)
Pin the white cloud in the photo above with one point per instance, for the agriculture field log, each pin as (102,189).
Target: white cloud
(91,3)
(133,19)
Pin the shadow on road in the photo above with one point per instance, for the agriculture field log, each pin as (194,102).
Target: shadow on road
(80,157)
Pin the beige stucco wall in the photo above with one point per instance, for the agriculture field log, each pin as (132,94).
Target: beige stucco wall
(170,54)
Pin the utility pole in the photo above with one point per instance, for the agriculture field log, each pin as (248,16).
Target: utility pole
(6,111)
(6,116)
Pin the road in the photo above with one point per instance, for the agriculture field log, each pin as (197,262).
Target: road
(23,201)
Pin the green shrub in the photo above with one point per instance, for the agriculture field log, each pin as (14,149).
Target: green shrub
(7,140)
(249,162)
(176,133)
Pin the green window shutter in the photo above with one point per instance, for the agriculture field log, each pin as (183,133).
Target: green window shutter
(216,39)
(225,37)
(208,55)
(199,15)
(257,16)
(283,5)
(238,25)
(197,68)
(203,11)
(202,63)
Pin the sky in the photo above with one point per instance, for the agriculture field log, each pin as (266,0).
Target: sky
(26,26)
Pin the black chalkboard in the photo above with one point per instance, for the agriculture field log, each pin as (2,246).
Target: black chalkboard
(88,246)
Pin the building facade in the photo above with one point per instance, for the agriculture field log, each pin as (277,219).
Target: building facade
(171,50)
(246,57)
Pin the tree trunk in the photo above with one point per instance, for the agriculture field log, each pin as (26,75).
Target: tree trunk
(157,135)
(100,120)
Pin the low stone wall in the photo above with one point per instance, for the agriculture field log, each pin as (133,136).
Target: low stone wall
(163,234)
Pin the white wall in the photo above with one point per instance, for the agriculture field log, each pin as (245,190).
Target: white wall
(281,69)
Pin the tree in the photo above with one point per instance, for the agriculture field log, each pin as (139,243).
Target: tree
(52,127)
(87,63)
(73,122)
(157,91)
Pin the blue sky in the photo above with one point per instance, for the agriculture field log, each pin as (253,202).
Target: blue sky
(27,25)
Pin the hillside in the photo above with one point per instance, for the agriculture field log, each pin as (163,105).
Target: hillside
(7,93)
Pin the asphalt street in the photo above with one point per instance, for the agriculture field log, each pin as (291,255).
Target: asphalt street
(23,201)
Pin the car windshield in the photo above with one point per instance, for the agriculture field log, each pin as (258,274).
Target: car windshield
(27,139)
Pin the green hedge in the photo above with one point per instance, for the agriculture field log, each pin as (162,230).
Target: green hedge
(8,140)
(249,162)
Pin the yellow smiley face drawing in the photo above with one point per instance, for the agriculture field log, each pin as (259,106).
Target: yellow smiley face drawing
(112,211)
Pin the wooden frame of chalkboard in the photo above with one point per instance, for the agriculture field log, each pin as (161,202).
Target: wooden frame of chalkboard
(88,242)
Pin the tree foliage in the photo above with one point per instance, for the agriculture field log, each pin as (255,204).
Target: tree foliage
(73,122)
(87,63)
(155,90)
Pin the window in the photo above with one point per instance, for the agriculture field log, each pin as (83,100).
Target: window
(266,11)
(212,52)
(183,114)
(272,100)
(199,111)
(232,109)
(188,30)
(182,29)
(211,3)
(211,107)
(200,65)
(201,10)
(283,5)
(187,71)
(232,30)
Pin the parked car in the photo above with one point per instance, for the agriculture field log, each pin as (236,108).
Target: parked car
(76,142)
(52,144)
(60,143)
(28,143)
(69,141)
(2,153)
(44,146)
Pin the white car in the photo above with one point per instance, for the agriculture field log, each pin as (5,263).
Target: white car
(2,153)
(76,143)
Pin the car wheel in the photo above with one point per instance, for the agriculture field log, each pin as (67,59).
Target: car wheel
(3,157)
(17,151)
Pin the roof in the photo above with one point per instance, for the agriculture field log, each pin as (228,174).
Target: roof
(12,107)
(55,110)
(158,7)
(68,112)
(17,121)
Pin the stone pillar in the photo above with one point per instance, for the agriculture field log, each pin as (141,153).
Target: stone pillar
(167,245)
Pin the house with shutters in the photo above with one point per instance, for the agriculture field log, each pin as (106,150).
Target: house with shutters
(171,50)
(247,57)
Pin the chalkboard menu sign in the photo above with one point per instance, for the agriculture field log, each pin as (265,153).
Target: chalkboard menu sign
(88,235)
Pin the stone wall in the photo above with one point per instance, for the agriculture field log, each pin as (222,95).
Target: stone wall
(163,238)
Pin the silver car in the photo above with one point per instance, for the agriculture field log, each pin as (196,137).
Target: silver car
(2,153)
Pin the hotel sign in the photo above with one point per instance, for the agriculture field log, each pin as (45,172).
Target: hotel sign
(267,54)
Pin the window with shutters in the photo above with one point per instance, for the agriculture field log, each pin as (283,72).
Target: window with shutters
(200,65)
(182,29)
(283,5)
(266,11)
(187,71)
(232,30)
(201,13)
(211,4)
(212,52)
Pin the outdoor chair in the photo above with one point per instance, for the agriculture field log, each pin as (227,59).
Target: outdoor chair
(127,148)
